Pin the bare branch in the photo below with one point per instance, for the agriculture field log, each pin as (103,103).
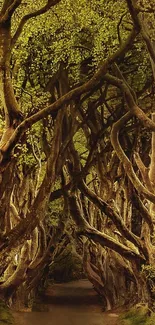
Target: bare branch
(118,27)
(134,108)
(144,171)
(107,241)
(133,12)
(145,213)
(100,237)
(124,159)
(110,213)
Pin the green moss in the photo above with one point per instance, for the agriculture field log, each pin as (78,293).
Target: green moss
(151,320)
(5,315)
(137,316)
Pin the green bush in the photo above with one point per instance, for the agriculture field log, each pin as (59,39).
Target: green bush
(6,317)
(151,320)
(138,315)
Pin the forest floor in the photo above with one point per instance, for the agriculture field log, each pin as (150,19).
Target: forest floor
(70,303)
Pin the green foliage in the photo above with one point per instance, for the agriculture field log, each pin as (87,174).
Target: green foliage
(149,272)
(81,145)
(6,317)
(30,153)
(151,320)
(137,316)
(54,211)
(26,157)
(1,125)
(55,208)
(65,35)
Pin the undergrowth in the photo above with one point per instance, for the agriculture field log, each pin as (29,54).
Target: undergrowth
(137,316)
(6,317)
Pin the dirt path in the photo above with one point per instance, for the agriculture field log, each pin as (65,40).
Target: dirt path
(74,303)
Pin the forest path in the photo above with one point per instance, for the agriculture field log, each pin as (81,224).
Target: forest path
(73,303)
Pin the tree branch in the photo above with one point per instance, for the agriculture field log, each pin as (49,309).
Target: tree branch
(134,108)
(100,237)
(145,213)
(141,26)
(152,164)
(124,159)
(144,171)
(107,241)
(133,12)
(110,213)
(8,9)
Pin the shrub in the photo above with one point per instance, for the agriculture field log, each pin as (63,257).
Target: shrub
(138,315)
(6,317)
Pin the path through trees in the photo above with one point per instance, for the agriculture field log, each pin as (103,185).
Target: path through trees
(77,148)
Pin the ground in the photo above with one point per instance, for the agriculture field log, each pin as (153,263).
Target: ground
(71,303)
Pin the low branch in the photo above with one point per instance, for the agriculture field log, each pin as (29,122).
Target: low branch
(107,241)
